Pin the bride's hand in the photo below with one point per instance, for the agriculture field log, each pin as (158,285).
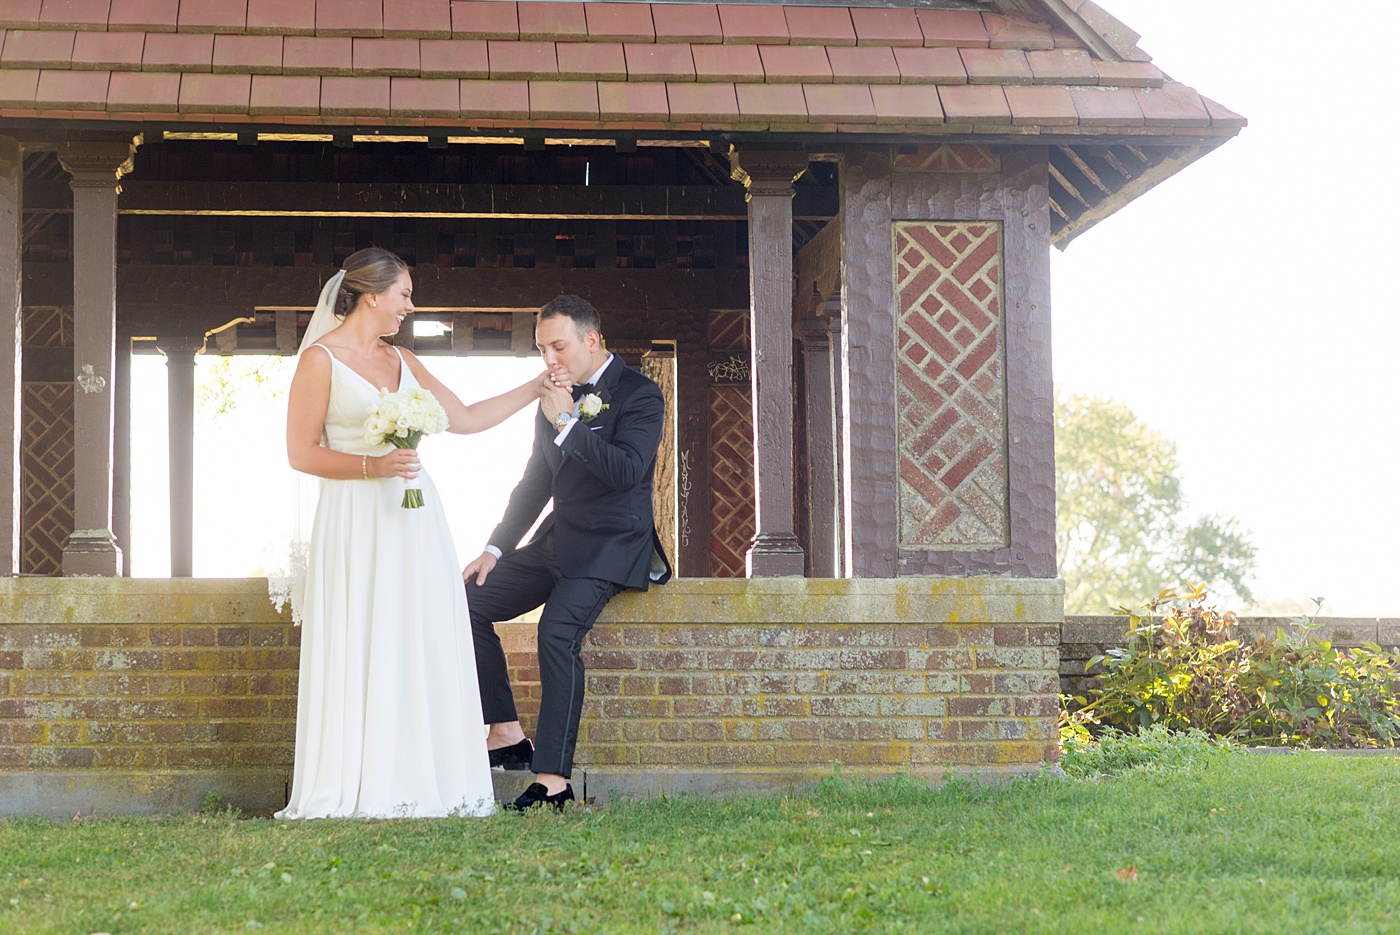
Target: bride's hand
(401,462)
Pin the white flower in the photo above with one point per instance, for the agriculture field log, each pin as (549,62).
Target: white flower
(590,405)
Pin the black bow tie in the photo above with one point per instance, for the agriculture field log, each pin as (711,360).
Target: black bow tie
(581,390)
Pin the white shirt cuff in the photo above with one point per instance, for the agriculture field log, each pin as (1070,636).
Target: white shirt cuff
(564,432)
(494,551)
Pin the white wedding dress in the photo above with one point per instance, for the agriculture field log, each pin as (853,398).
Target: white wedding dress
(389,720)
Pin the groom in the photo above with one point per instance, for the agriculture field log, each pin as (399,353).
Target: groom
(594,452)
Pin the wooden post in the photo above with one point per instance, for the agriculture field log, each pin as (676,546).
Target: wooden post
(867,367)
(121,471)
(11,351)
(767,175)
(693,516)
(180,353)
(661,368)
(821,441)
(96,169)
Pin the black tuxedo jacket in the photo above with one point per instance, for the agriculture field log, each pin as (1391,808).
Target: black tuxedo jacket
(601,481)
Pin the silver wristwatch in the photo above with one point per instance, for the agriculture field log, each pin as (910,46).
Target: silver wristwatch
(561,420)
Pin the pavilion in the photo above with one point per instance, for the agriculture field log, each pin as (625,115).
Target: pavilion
(824,230)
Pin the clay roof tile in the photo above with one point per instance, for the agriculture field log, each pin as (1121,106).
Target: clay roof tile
(38,48)
(930,66)
(746,24)
(72,90)
(1006,32)
(348,18)
(621,22)
(285,94)
(996,66)
(849,103)
(1062,66)
(355,97)
(632,99)
(215,94)
(659,61)
(17,86)
(549,20)
(213,16)
(318,55)
(770,102)
(1129,74)
(385,56)
(591,60)
(563,100)
(696,101)
(453,58)
(19,14)
(1041,105)
(77,14)
(727,63)
(418,19)
(899,104)
(144,91)
(521,60)
(178,52)
(886,26)
(1222,117)
(686,22)
(282,17)
(424,97)
(863,64)
(504,100)
(109,50)
(147,15)
(1107,107)
(957,28)
(783,64)
(974,103)
(815,25)
(1173,105)
(254,55)
(485,19)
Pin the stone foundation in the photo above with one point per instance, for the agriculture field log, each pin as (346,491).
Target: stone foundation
(143,695)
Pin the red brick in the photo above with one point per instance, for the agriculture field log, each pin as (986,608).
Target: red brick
(453,58)
(506,100)
(1062,66)
(285,94)
(143,91)
(178,52)
(975,104)
(213,15)
(515,60)
(282,17)
(886,26)
(996,66)
(953,28)
(111,51)
(80,14)
(771,102)
(1012,33)
(747,24)
(930,66)
(308,55)
(620,22)
(484,19)
(640,100)
(385,56)
(1107,107)
(1173,105)
(72,90)
(850,103)
(1222,117)
(1064,39)
(418,19)
(550,21)
(418,97)
(906,103)
(146,15)
(802,64)
(693,101)
(214,94)
(20,14)
(864,65)
(349,17)
(1129,74)
(685,22)
(1041,105)
(591,60)
(253,55)
(660,62)
(32,48)
(727,63)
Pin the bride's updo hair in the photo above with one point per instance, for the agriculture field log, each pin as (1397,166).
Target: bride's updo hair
(367,272)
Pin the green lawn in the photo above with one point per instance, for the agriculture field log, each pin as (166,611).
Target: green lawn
(1227,842)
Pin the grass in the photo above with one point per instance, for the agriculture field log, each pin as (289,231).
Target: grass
(1208,841)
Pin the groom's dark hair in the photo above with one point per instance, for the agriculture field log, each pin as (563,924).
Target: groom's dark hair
(575,308)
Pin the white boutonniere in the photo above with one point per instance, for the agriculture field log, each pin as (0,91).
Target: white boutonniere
(590,406)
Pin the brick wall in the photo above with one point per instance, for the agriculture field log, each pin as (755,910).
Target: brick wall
(143,694)
(1084,637)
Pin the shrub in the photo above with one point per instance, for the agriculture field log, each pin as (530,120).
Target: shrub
(1115,752)
(1180,669)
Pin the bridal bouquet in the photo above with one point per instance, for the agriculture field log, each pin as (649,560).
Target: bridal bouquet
(402,419)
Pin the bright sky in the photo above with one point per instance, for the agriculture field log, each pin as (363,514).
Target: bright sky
(1240,308)
(1234,309)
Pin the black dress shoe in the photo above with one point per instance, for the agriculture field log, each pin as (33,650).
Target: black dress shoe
(536,795)
(516,756)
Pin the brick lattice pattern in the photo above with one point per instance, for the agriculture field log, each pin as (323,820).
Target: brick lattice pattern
(732,522)
(952,386)
(46,466)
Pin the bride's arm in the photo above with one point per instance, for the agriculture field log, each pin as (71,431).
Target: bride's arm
(307,400)
(463,419)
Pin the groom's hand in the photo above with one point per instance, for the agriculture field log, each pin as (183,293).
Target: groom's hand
(479,568)
(556,395)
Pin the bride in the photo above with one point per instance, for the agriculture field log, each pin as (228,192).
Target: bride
(388,714)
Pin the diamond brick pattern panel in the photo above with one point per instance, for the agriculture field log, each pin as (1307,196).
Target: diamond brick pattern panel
(729,330)
(46,468)
(952,386)
(731,480)
(948,157)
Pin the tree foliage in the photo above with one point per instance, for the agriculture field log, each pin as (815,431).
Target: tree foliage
(225,379)
(1120,525)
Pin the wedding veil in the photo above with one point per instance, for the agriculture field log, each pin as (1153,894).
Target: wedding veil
(291,547)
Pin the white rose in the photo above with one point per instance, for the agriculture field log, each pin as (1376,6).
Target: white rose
(590,405)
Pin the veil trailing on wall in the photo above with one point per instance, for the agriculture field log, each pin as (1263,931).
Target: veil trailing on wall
(290,547)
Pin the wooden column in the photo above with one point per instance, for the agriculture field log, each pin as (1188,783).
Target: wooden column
(821,441)
(11,353)
(768,174)
(96,168)
(867,367)
(693,507)
(179,374)
(121,453)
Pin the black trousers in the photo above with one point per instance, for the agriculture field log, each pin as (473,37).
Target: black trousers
(520,582)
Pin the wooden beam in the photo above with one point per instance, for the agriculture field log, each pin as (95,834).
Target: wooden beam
(430,200)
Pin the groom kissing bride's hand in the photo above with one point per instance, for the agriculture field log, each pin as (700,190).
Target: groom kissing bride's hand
(596,434)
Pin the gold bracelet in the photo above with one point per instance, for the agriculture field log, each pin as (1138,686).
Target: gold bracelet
(364,466)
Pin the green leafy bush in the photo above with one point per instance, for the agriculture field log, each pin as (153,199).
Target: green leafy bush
(1179,668)
(1114,752)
